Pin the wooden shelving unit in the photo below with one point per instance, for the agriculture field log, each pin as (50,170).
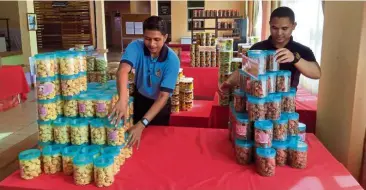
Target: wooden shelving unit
(62,27)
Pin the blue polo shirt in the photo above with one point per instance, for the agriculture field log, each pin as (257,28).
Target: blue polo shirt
(152,75)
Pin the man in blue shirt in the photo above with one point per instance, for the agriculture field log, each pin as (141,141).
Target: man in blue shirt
(156,71)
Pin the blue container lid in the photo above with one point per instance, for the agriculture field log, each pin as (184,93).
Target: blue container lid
(282,120)
(274,98)
(61,122)
(96,123)
(43,144)
(256,53)
(266,152)
(263,125)
(130,99)
(108,124)
(79,122)
(104,97)
(111,150)
(52,150)
(302,126)
(92,85)
(103,161)
(53,100)
(255,100)
(293,116)
(287,73)
(279,144)
(46,79)
(70,98)
(242,118)
(289,94)
(112,92)
(86,96)
(293,89)
(270,52)
(298,146)
(71,150)
(90,150)
(272,73)
(262,77)
(238,92)
(58,97)
(68,77)
(243,143)
(29,154)
(112,83)
(40,122)
(82,159)
(293,139)
(82,74)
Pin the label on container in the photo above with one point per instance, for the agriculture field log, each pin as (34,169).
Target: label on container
(82,108)
(101,107)
(241,130)
(42,111)
(113,135)
(262,138)
(46,89)
(302,136)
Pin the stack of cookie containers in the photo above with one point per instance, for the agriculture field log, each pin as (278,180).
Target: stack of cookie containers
(175,96)
(186,93)
(203,52)
(263,124)
(225,47)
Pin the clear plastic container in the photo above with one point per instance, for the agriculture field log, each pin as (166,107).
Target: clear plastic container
(91,150)
(114,151)
(47,110)
(281,152)
(92,76)
(280,129)
(259,86)
(52,159)
(90,61)
(225,62)
(224,98)
(242,128)
(272,64)
(103,171)
(188,96)
(126,151)
(273,106)
(293,123)
(239,101)
(260,57)
(61,131)
(175,99)
(79,131)
(83,169)
(86,105)
(98,132)
(70,85)
(242,82)
(59,106)
(30,164)
(81,58)
(288,102)
(223,77)
(302,132)
(93,85)
(100,63)
(83,81)
(46,88)
(103,105)
(68,63)
(45,65)
(283,82)
(186,85)
(174,108)
(208,58)
(45,131)
(115,134)
(101,76)
(266,161)
(68,154)
(256,108)
(271,81)
(298,155)
(57,84)
(244,151)
(70,106)
(263,133)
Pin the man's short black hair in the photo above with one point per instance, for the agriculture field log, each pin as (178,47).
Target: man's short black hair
(281,12)
(155,23)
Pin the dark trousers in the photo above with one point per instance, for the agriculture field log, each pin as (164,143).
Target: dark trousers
(142,104)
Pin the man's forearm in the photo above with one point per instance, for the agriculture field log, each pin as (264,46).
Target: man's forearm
(159,103)
(309,69)
(233,79)
(122,81)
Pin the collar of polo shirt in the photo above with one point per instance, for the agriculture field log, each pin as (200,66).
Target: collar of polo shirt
(163,53)
(286,46)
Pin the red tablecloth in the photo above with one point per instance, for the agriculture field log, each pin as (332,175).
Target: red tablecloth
(13,82)
(196,158)
(198,116)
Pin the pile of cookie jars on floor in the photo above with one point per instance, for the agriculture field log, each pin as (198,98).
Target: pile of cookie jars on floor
(225,48)
(203,50)
(175,99)
(98,66)
(74,129)
(263,125)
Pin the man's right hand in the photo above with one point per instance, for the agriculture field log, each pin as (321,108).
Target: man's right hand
(119,110)
(225,86)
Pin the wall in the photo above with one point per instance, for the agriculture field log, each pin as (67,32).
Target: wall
(341,120)
(9,9)
(140,7)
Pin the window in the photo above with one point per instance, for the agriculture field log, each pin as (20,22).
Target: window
(194,5)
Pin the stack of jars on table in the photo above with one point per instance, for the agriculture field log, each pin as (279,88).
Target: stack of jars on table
(185,94)
(263,124)
(97,67)
(201,57)
(225,47)
(175,97)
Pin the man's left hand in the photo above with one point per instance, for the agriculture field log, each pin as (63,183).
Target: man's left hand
(284,55)
(135,133)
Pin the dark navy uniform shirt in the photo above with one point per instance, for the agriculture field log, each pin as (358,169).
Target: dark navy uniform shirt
(152,75)
(294,47)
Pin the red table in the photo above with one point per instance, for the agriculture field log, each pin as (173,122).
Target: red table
(198,116)
(13,82)
(196,158)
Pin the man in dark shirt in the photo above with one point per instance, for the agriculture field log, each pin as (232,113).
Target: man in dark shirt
(291,55)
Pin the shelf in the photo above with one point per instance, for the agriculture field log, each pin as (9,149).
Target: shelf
(226,29)
(216,17)
(204,28)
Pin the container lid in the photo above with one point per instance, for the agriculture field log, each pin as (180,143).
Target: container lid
(70,97)
(275,97)
(61,122)
(104,97)
(71,150)
(112,83)
(255,53)
(53,100)
(293,116)
(29,154)
(266,152)
(263,125)
(92,85)
(272,73)
(242,118)
(46,79)
(108,124)
(282,120)
(58,97)
(280,144)
(40,122)
(68,77)
(255,100)
(111,150)
(112,92)
(52,150)
(238,92)
(262,77)
(188,79)
(82,74)
(90,150)
(79,122)
(287,73)
(85,96)
(298,146)
(293,89)
(289,94)
(302,126)
(270,52)
(96,123)
(103,161)
(82,159)
(243,143)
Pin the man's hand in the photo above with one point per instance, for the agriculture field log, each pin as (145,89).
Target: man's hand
(135,133)
(284,55)
(225,86)
(119,110)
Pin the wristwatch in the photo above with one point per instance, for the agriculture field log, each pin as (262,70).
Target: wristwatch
(145,122)
(297,58)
